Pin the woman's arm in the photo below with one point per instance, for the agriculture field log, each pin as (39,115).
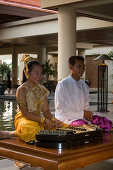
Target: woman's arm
(47,114)
(21,99)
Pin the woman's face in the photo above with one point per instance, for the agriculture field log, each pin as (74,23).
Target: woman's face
(36,74)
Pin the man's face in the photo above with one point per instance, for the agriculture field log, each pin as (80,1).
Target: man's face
(78,69)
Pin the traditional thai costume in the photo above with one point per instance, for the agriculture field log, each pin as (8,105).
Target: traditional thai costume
(26,129)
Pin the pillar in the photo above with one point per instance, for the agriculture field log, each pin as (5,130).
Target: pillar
(66,39)
(14,67)
(81,52)
(42,58)
(42,54)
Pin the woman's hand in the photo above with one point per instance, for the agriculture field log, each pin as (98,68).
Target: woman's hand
(58,123)
(88,115)
(49,124)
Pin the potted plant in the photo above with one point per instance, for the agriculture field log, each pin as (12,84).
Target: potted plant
(49,70)
(4,69)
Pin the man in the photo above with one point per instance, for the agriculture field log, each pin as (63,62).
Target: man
(72,94)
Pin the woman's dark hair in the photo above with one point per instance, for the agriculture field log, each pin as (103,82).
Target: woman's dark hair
(72,60)
(30,65)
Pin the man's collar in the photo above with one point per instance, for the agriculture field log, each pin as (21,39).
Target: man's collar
(74,79)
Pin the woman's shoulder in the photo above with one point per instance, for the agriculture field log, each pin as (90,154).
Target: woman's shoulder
(41,86)
(22,88)
(43,89)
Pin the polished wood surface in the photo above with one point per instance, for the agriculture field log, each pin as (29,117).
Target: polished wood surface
(62,159)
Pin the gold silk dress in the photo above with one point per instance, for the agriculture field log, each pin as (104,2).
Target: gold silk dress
(26,129)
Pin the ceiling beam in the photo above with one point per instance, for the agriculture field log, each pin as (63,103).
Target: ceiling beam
(95,15)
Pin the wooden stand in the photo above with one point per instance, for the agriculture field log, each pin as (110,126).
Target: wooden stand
(58,159)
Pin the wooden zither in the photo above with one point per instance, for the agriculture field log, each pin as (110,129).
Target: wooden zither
(68,137)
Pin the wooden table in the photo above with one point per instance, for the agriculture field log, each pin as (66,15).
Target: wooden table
(62,159)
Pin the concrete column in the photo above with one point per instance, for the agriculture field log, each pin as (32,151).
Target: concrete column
(81,52)
(42,54)
(66,39)
(42,58)
(14,67)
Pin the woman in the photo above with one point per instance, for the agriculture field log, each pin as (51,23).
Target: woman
(32,101)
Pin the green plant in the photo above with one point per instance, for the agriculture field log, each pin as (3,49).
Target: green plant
(110,55)
(4,69)
(48,69)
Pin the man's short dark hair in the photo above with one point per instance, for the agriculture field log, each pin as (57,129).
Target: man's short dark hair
(72,60)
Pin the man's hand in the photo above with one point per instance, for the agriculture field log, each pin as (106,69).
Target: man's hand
(88,115)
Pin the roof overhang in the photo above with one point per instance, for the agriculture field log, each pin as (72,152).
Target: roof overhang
(31,5)
(94,8)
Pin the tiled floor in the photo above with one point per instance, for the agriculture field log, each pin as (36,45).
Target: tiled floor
(6,164)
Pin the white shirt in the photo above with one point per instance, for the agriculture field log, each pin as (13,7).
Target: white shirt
(71,99)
